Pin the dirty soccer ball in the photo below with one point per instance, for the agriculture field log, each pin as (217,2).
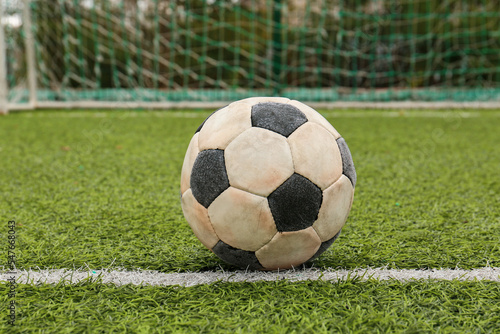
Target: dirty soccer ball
(267,183)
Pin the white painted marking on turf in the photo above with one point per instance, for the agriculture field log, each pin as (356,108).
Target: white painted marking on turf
(155,278)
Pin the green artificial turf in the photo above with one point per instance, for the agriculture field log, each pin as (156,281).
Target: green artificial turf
(350,306)
(101,189)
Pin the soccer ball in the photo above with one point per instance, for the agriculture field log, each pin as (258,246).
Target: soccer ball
(267,183)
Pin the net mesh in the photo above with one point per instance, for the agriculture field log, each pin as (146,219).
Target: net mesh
(155,50)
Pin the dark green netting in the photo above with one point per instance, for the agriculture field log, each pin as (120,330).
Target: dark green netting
(155,50)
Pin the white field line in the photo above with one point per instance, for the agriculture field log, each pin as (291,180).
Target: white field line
(155,278)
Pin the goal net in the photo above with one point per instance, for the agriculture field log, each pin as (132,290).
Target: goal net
(141,53)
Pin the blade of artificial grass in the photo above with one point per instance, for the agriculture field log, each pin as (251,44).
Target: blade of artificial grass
(100,189)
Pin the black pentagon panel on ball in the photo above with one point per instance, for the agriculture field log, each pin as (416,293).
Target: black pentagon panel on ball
(238,257)
(324,246)
(206,119)
(347,163)
(295,204)
(278,117)
(208,176)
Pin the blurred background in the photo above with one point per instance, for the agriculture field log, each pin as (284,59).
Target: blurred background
(58,53)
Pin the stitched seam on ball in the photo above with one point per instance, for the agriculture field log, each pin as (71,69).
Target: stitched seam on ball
(272,237)
(320,236)
(242,132)
(268,241)
(213,228)
(341,161)
(331,185)
(324,127)
(321,204)
(291,154)
(273,234)
(315,229)
(293,161)
(247,191)
(198,142)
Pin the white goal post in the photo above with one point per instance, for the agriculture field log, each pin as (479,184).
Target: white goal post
(3,67)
